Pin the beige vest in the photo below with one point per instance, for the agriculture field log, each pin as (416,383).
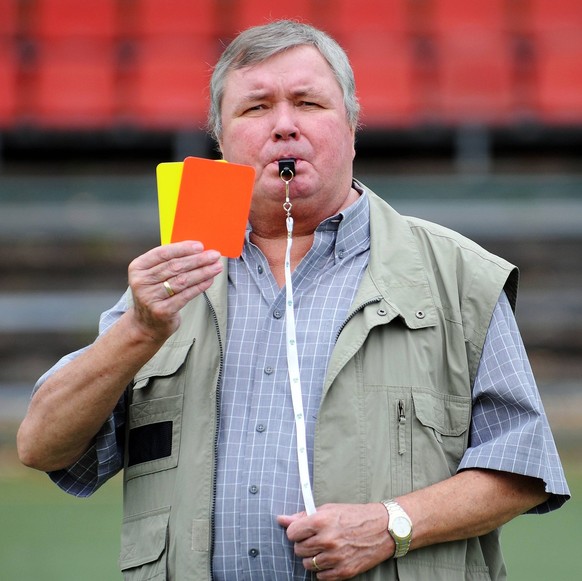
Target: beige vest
(394,415)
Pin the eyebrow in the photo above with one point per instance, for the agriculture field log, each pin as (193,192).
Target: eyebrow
(308,91)
(259,94)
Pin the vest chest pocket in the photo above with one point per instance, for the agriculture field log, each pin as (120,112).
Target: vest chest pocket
(155,413)
(143,546)
(440,435)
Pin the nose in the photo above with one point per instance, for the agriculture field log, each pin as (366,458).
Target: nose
(285,125)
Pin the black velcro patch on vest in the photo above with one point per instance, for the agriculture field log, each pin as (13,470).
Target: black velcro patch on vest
(149,442)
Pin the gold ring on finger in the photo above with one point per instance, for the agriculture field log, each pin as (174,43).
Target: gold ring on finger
(316,567)
(169,288)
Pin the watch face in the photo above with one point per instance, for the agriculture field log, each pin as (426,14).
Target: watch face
(401,527)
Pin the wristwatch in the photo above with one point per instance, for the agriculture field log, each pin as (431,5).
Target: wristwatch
(399,527)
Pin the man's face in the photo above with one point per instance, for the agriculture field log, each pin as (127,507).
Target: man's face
(290,106)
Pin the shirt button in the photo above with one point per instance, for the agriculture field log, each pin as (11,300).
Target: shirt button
(341,253)
(420,314)
(268,370)
(277,314)
(261,428)
(260,269)
(253,489)
(253,553)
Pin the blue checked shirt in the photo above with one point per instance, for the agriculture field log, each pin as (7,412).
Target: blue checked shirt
(257,475)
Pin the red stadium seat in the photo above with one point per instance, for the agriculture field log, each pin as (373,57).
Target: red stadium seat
(468,16)
(554,16)
(254,12)
(476,82)
(74,86)
(168,87)
(174,18)
(385,81)
(87,19)
(9,25)
(348,18)
(8,84)
(558,87)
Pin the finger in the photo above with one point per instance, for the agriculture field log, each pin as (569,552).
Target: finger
(185,264)
(162,254)
(185,269)
(286,519)
(196,279)
(315,563)
(304,528)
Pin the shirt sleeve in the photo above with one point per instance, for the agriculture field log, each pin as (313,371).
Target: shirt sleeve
(509,429)
(104,458)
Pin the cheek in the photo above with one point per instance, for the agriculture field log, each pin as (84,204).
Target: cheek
(242,141)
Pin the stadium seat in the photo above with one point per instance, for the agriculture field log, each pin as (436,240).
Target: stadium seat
(174,18)
(60,19)
(385,81)
(347,18)
(554,16)
(8,84)
(475,79)
(558,86)
(9,24)
(468,16)
(167,88)
(254,12)
(74,86)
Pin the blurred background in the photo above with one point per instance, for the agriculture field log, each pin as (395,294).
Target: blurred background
(471,117)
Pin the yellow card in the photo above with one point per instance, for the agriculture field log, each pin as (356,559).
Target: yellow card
(169,176)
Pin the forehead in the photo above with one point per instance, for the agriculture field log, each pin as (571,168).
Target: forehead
(302,65)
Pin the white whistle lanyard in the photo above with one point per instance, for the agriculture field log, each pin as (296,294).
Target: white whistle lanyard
(293,363)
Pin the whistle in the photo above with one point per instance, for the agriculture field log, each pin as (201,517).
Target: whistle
(287,169)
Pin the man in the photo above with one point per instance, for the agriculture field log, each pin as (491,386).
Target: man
(424,429)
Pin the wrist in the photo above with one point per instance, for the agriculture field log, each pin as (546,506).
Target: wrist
(399,527)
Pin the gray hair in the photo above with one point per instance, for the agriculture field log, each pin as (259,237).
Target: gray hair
(259,43)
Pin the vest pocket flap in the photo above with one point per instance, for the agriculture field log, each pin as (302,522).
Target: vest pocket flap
(143,539)
(165,362)
(448,415)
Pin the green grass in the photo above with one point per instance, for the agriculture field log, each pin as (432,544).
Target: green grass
(548,547)
(46,534)
(49,535)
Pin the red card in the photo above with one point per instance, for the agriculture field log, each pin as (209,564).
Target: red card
(213,204)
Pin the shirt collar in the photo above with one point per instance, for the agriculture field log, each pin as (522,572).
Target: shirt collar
(352,225)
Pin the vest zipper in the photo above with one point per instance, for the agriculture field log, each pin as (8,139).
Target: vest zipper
(218,384)
(401,427)
(354,313)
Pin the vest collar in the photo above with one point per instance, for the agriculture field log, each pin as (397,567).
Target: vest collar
(396,270)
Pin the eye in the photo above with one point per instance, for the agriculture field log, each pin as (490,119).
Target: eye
(307,104)
(255,108)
